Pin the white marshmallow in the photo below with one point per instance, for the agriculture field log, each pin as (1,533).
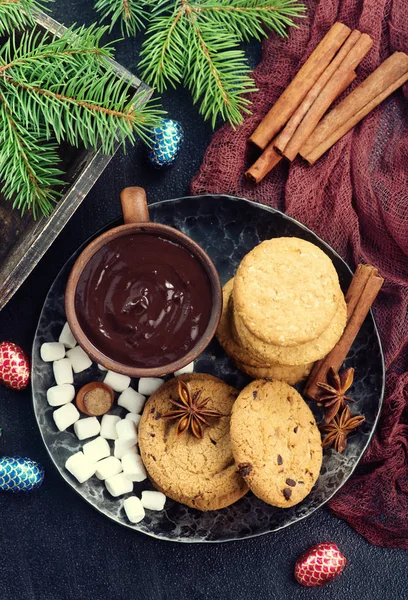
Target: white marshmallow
(116,381)
(60,394)
(108,427)
(108,467)
(102,368)
(153,500)
(131,400)
(127,432)
(86,428)
(117,485)
(79,359)
(148,385)
(187,369)
(97,449)
(132,417)
(50,351)
(120,448)
(134,509)
(66,337)
(65,416)
(133,467)
(63,371)
(80,467)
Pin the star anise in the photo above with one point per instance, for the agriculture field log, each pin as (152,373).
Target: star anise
(338,430)
(191,411)
(335,397)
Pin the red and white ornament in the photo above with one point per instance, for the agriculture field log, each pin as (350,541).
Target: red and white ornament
(14,366)
(319,565)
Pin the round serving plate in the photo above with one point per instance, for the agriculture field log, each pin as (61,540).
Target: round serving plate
(227,228)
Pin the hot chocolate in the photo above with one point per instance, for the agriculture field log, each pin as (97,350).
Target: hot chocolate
(143,300)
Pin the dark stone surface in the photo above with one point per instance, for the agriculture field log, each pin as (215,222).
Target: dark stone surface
(54,546)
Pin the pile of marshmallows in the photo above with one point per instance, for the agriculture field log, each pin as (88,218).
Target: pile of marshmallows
(120,471)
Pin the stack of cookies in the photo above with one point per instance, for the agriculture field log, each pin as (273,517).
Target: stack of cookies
(283,310)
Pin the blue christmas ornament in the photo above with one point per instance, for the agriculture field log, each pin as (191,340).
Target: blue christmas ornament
(18,474)
(168,138)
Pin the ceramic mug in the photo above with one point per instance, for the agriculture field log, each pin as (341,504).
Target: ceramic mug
(136,221)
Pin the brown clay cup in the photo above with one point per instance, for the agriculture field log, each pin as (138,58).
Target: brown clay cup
(136,220)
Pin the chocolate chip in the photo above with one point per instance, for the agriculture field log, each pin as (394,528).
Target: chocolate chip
(291,482)
(157,416)
(280,460)
(301,482)
(213,441)
(287,493)
(152,435)
(296,428)
(289,399)
(255,395)
(244,469)
(311,422)
(152,410)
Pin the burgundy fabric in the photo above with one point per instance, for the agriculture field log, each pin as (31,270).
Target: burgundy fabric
(356,198)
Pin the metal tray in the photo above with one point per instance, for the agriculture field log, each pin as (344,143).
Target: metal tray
(24,241)
(227,228)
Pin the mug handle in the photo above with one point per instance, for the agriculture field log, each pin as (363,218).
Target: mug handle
(134,205)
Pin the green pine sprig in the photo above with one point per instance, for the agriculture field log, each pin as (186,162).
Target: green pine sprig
(130,14)
(16,14)
(197,43)
(60,88)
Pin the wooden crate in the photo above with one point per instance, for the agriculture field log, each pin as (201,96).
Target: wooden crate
(24,241)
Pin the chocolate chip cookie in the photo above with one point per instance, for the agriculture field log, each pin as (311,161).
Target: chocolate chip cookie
(198,472)
(275,442)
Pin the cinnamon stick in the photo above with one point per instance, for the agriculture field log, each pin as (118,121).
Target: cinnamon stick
(388,77)
(265,163)
(296,91)
(285,135)
(357,285)
(362,292)
(336,84)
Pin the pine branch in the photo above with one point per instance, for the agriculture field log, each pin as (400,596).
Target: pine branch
(68,83)
(251,18)
(57,89)
(197,42)
(130,13)
(27,165)
(217,73)
(164,50)
(16,14)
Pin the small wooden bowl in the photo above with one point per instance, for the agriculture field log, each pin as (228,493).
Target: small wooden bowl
(136,218)
(89,387)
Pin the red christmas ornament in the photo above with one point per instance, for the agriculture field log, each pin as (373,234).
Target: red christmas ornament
(14,366)
(319,565)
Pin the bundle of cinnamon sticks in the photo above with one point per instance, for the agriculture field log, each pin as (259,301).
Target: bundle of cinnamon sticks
(296,123)
(363,290)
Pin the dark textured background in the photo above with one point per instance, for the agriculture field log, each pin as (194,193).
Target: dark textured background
(53,546)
